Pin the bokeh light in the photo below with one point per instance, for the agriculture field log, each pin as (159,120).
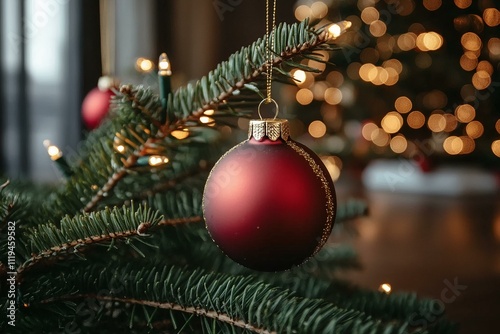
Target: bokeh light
(436,122)
(481,80)
(462,4)
(333,95)
(465,113)
(432,5)
(403,104)
(317,129)
(380,138)
(491,17)
(471,41)
(416,119)
(495,148)
(302,12)
(392,122)
(368,129)
(474,129)
(304,96)
(398,144)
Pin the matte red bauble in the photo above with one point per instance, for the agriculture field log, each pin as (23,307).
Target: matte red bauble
(95,106)
(269,202)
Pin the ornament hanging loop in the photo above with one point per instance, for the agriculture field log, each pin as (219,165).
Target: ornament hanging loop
(266,101)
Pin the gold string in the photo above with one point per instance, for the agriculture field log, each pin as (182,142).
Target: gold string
(269,50)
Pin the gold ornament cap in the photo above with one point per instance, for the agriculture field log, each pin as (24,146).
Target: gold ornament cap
(272,128)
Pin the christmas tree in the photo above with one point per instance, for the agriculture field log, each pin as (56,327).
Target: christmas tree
(121,244)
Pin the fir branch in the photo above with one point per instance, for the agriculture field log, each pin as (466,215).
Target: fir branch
(50,242)
(190,102)
(240,301)
(250,60)
(222,317)
(130,95)
(110,183)
(171,183)
(72,247)
(178,221)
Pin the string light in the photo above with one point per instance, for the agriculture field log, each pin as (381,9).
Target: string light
(385,288)
(56,155)
(164,73)
(180,134)
(53,151)
(337,29)
(164,65)
(299,76)
(120,148)
(206,120)
(157,160)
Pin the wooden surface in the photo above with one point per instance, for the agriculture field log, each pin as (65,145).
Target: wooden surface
(425,244)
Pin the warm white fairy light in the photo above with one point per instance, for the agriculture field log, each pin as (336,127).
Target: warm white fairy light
(164,65)
(206,119)
(180,134)
(157,160)
(385,288)
(53,151)
(337,29)
(120,148)
(299,76)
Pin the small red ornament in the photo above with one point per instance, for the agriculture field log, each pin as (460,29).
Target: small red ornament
(424,163)
(269,202)
(95,105)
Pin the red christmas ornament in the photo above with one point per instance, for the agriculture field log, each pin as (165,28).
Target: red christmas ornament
(424,163)
(269,202)
(95,105)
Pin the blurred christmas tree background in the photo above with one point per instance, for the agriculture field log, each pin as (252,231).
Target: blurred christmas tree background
(414,79)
